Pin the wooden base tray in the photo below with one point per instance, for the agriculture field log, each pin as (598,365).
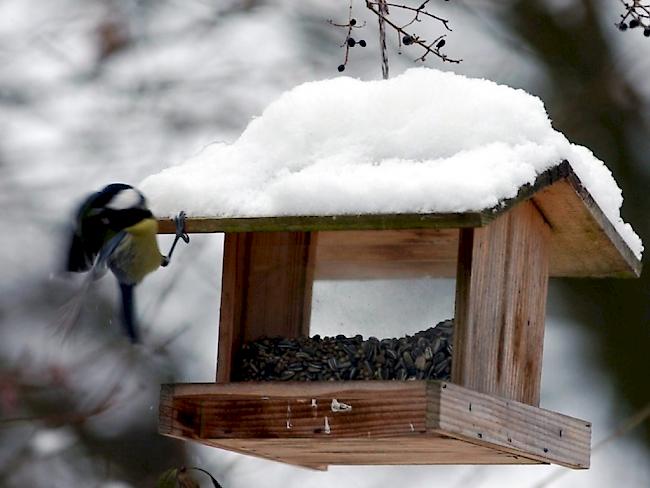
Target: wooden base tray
(316,424)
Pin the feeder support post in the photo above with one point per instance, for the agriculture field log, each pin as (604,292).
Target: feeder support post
(501,290)
(266,290)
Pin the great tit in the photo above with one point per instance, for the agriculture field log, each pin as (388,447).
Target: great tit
(114,229)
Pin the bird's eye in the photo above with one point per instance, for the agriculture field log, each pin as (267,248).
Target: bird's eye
(105,221)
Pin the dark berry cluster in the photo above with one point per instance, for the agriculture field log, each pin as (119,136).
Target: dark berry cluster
(430,47)
(405,37)
(350,41)
(636,16)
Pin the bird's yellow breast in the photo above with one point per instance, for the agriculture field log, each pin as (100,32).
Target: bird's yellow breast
(144,227)
(141,249)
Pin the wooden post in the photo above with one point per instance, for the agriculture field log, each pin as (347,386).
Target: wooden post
(501,289)
(266,290)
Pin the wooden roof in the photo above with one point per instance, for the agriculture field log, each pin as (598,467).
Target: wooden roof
(584,241)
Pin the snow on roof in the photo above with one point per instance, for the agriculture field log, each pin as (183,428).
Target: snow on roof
(426,141)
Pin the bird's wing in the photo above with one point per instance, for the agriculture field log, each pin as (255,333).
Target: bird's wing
(68,313)
(101,262)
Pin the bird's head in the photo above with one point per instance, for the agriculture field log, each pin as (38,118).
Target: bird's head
(115,207)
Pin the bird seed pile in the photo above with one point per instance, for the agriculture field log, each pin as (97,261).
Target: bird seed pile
(424,355)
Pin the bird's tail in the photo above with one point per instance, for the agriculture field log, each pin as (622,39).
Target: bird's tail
(128,312)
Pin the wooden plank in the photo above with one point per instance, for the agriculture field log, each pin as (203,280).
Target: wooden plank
(266,290)
(290,389)
(340,412)
(389,422)
(306,223)
(410,253)
(584,242)
(172,425)
(500,305)
(234,277)
(516,427)
(420,450)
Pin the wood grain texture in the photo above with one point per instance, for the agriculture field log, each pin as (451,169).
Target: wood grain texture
(390,422)
(306,223)
(411,253)
(421,450)
(400,412)
(501,291)
(583,242)
(475,417)
(266,290)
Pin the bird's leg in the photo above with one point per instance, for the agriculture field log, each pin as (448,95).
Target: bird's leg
(180,234)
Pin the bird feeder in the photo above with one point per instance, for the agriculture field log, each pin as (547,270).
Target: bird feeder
(488,413)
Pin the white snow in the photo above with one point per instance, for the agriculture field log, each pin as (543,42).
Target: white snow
(425,141)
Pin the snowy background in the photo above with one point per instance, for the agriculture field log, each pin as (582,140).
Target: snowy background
(93,92)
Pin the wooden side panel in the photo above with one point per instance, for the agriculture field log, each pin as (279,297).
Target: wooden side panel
(516,427)
(382,254)
(233,297)
(340,412)
(501,293)
(266,290)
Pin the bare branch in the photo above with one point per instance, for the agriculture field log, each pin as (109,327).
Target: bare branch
(635,14)
(349,40)
(382,8)
(418,11)
(407,38)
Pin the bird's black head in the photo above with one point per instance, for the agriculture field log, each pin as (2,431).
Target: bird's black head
(102,215)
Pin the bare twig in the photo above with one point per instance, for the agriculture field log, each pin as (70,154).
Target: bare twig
(408,38)
(349,40)
(382,8)
(404,35)
(635,14)
(418,11)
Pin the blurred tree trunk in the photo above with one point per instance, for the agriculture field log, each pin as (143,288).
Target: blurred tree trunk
(591,101)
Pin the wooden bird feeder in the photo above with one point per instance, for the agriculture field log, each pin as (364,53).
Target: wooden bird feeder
(488,413)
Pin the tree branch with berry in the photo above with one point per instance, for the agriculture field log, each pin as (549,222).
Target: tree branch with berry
(636,14)
(406,36)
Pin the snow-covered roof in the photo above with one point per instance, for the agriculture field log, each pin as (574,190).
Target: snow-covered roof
(424,142)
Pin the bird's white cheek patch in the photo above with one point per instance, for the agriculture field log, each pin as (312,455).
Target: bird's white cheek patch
(124,199)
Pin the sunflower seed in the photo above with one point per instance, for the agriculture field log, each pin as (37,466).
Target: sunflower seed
(426,354)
